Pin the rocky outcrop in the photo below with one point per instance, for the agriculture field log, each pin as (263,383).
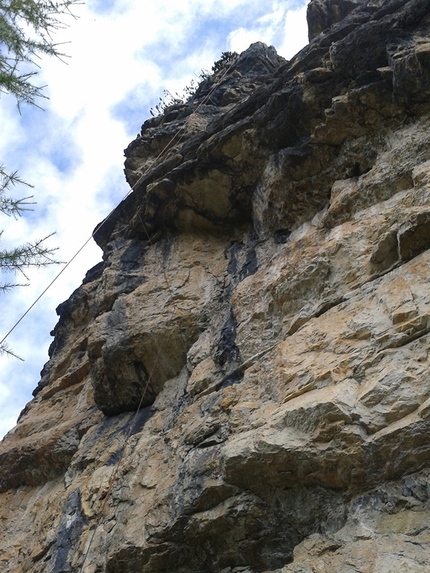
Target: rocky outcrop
(242,384)
(323,14)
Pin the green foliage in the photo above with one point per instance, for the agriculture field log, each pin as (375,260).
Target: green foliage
(9,206)
(17,260)
(168,99)
(226,59)
(26,30)
(34,254)
(165,101)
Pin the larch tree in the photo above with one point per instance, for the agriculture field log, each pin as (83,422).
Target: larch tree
(27,28)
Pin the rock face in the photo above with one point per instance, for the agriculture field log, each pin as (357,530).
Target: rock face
(242,385)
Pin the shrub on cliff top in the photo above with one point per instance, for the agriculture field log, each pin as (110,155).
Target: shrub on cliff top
(168,99)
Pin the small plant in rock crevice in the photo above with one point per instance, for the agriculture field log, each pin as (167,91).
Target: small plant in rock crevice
(168,99)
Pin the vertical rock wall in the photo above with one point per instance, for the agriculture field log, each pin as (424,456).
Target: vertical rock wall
(242,384)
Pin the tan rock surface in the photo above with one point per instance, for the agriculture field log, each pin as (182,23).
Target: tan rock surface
(242,384)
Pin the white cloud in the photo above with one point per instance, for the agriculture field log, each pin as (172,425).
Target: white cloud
(283,27)
(295,33)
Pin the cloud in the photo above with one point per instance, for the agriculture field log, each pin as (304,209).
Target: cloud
(283,27)
(122,55)
(295,33)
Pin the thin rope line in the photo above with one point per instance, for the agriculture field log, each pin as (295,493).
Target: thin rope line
(105,220)
(112,478)
(131,423)
(45,290)
(159,347)
(202,103)
(132,188)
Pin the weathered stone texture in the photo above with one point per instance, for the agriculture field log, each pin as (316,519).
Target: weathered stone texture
(242,384)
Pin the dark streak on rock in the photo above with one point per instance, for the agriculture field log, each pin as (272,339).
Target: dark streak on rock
(71,524)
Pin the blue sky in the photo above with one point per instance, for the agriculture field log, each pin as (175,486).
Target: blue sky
(122,55)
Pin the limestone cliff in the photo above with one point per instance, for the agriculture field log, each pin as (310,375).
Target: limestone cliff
(242,385)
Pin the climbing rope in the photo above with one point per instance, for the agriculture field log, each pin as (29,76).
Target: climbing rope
(159,347)
(162,153)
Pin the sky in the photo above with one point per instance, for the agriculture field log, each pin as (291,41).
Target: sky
(121,56)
